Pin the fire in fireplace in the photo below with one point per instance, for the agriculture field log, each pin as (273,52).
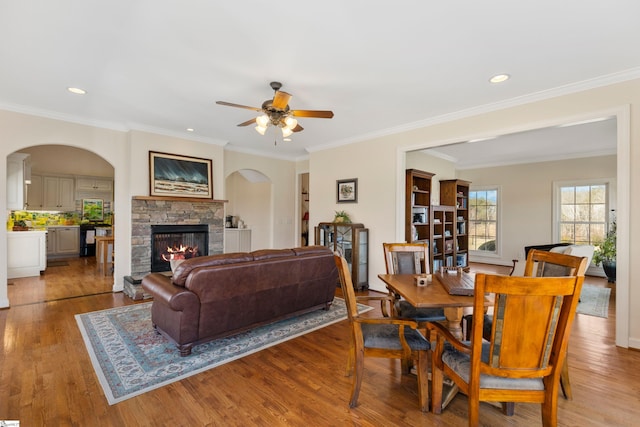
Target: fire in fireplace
(177,241)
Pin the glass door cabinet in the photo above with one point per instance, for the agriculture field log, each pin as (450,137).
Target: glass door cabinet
(351,241)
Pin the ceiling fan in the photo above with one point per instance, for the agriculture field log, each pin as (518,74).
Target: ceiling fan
(276,112)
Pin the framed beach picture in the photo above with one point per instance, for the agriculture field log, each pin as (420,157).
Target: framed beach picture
(180,176)
(347,190)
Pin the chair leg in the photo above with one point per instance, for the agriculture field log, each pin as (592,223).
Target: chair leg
(423,380)
(550,409)
(436,388)
(350,359)
(565,384)
(357,379)
(508,408)
(407,364)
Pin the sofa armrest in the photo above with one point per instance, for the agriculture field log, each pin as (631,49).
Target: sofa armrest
(175,297)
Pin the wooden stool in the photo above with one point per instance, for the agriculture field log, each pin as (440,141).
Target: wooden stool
(102,252)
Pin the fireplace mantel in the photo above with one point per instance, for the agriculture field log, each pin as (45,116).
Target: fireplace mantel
(179,199)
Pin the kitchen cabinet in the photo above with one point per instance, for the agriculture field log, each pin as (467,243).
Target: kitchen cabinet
(63,241)
(237,240)
(92,187)
(35,193)
(94,184)
(26,254)
(58,193)
(16,169)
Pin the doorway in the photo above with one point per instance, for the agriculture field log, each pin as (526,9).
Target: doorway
(70,275)
(304,209)
(249,193)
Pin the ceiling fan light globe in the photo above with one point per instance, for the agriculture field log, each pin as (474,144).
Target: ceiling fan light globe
(262,120)
(286,132)
(261,129)
(291,122)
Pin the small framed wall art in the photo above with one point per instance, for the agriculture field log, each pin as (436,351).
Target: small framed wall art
(173,175)
(347,190)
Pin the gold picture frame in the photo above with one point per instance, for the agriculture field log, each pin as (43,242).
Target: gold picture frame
(174,175)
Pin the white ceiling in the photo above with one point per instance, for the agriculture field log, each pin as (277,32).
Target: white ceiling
(382,67)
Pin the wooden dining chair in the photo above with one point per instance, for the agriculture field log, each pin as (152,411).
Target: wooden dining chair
(547,264)
(542,263)
(385,337)
(410,258)
(523,360)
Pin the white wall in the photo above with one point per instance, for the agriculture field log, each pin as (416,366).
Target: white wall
(65,160)
(282,174)
(127,152)
(527,199)
(18,131)
(251,201)
(379,165)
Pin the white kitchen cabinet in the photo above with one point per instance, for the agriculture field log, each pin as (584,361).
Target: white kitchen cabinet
(59,193)
(63,241)
(92,187)
(35,193)
(26,253)
(237,240)
(15,180)
(98,184)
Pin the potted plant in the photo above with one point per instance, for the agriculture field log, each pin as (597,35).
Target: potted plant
(605,253)
(342,216)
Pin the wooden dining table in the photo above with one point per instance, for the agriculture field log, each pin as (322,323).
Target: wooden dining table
(434,295)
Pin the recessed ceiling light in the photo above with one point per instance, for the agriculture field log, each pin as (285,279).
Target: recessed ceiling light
(189,129)
(76,90)
(499,78)
(286,139)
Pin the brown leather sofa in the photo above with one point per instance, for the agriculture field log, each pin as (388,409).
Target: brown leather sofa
(214,296)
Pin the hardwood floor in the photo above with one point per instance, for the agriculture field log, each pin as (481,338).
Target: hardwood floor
(46,377)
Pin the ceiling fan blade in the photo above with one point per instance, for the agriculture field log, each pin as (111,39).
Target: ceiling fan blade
(248,122)
(280,100)
(230,104)
(320,114)
(298,128)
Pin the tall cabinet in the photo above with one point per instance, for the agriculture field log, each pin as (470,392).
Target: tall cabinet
(455,192)
(417,203)
(352,242)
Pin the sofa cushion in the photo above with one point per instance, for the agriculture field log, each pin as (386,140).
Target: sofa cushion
(181,273)
(264,254)
(311,250)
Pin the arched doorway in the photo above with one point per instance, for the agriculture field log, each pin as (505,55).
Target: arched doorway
(250,199)
(67,274)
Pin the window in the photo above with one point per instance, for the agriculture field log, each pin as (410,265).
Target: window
(582,213)
(483,220)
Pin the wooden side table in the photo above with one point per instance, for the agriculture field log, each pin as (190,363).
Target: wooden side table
(102,252)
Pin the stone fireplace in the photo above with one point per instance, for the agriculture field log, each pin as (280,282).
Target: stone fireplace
(152,211)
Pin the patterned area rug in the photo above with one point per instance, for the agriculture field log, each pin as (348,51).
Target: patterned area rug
(594,301)
(130,358)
